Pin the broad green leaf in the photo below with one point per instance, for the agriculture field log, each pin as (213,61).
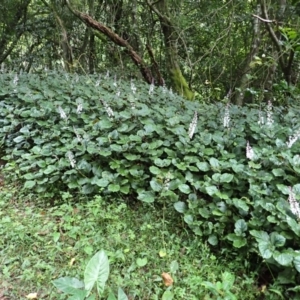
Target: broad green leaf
(295,226)
(184,188)
(206,138)
(174,266)
(96,272)
(131,157)
(266,250)
(237,168)
(203,166)
(296,262)
(19,139)
(167,295)
(277,239)
(296,188)
(101,182)
(238,241)
(214,163)
(141,262)
(146,196)
(209,285)
(50,169)
(254,165)
(283,188)
(113,187)
(29,184)
(154,170)
(111,296)
(240,204)
(204,212)
(87,189)
(226,177)
(278,172)
(216,177)
(104,152)
(92,149)
(162,162)
(208,151)
(188,219)
(125,189)
(136,171)
(213,240)
(240,226)
(29,176)
(227,280)
(155,185)
(283,258)
(121,294)
(149,128)
(260,235)
(81,295)
(180,206)
(68,285)
(104,124)
(222,195)
(211,190)
(116,148)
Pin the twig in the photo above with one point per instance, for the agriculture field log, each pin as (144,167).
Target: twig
(264,20)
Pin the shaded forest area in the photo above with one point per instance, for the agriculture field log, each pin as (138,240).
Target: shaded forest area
(204,50)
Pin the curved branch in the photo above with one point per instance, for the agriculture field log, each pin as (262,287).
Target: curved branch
(285,66)
(90,22)
(272,34)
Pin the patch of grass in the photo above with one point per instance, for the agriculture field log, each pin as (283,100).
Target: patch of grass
(41,243)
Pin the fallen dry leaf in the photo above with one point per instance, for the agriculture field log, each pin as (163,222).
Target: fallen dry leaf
(168,280)
(2,297)
(32,296)
(72,261)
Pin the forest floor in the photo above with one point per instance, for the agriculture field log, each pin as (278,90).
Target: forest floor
(40,243)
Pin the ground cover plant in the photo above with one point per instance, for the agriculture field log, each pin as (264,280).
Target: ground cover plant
(231,172)
(41,244)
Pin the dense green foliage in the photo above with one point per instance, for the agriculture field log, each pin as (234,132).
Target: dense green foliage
(40,244)
(208,48)
(230,173)
(127,142)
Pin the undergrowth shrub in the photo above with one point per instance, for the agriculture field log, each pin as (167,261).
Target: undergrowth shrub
(229,170)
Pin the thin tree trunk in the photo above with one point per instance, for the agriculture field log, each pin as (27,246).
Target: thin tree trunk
(285,60)
(7,44)
(179,83)
(245,81)
(65,45)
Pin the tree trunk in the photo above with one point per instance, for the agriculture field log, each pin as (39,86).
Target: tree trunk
(285,59)
(65,45)
(179,83)
(13,30)
(245,81)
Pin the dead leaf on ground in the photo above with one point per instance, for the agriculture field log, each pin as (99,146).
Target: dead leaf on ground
(2,297)
(168,280)
(72,261)
(32,296)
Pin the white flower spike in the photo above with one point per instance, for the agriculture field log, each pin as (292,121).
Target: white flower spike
(249,151)
(193,125)
(294,204)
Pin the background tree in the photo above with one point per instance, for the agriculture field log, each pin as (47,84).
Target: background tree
(202,49)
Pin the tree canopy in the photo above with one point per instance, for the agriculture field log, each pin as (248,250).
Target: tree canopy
(204,50)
